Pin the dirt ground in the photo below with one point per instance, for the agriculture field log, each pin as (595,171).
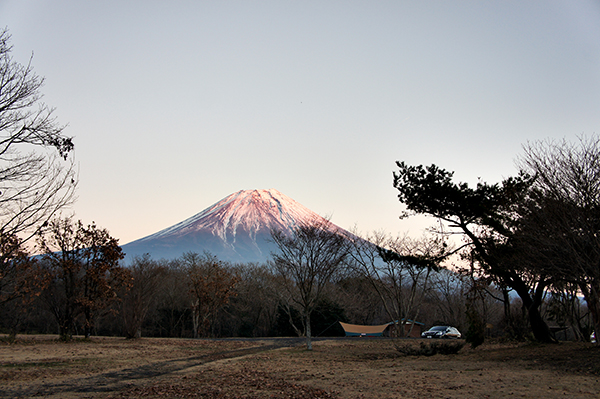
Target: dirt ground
(41,366)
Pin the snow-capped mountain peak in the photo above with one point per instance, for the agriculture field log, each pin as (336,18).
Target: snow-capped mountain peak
(236,228)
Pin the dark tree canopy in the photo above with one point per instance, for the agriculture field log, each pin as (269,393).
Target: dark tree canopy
(431,191)
(486,215)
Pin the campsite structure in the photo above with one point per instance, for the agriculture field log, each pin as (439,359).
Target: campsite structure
(413,329)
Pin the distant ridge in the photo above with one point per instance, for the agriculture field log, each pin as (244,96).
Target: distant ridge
(236,228)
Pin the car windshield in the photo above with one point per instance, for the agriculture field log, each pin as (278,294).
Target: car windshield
(438,328)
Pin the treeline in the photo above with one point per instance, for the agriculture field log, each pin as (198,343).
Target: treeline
(83,289)
(200,296)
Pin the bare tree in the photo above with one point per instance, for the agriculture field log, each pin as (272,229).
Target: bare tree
(560,226)
(173,298)
(306,263)
(448,296)
(84,266)
(566,308)
(19,276)
(212,284)
(395,271)
(36,177)
(255,307)
(359,300)
(21,279)
(147,275)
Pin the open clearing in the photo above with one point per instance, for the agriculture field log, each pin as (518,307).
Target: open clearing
(40,366)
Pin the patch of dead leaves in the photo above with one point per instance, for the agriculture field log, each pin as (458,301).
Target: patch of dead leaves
(218,384)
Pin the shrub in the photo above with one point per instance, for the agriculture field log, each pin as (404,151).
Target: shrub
(430,349)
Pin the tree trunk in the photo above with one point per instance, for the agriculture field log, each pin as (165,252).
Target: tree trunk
(64,321)
(506,303)
(591,293)
(308,333)
(539,328)
(288,311)
(87,330)
(196,318)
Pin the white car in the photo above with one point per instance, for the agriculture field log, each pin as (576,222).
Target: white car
(441,332)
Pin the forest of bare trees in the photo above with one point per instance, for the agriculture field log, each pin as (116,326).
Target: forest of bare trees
(236,300)
(197,295)
(80,286)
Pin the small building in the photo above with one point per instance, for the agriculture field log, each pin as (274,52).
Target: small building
(412,329)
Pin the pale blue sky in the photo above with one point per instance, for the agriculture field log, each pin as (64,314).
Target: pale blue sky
(177,104)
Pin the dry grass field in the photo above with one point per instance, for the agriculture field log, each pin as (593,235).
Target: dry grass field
(277,368)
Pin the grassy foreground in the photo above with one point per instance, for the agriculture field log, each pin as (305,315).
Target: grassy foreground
(41,366)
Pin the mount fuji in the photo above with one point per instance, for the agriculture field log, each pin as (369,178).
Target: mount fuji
(236,229)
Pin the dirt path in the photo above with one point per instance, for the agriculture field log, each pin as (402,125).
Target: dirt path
(45,359)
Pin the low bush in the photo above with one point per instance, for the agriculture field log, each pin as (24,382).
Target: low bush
(430,348)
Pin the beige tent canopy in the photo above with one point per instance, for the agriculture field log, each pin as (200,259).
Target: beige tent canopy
(353,330)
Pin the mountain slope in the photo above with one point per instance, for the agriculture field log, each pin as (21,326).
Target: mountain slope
(237,228)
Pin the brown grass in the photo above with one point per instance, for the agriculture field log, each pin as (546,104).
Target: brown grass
(341,368)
